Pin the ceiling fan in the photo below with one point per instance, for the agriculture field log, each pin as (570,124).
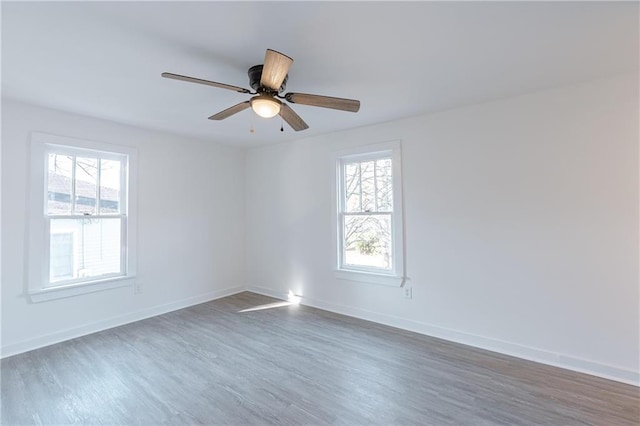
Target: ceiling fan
(269,80)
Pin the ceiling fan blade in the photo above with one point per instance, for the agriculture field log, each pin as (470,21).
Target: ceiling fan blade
(207,82)
(323,101)
(230,111)
(275,69)
(292,118)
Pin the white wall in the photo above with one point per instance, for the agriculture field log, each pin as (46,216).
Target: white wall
(521,220)
(190,228)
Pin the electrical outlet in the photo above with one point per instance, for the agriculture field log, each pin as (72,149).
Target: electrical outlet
(137,287)
(407,292)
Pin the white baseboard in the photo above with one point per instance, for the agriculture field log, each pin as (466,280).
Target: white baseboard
(507,348)
(94,327)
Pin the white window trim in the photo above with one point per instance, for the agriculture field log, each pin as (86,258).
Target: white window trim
(38,275)
(396,277)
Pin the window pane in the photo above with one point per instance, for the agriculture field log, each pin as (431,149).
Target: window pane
(86,187)
(368,186)
(62,256)
(109,186)
(352,187)
(84,247)
(59,188)
(384,185)
(368,241)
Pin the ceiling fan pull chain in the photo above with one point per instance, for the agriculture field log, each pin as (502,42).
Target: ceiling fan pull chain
(251,129)
(281,124)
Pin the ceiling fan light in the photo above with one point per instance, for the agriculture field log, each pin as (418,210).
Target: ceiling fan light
(265,106)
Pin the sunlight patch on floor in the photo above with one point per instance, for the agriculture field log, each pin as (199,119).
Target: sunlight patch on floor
(292,299)
(268,306)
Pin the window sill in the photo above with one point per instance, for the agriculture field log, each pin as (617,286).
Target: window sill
(370,277)
(70,290)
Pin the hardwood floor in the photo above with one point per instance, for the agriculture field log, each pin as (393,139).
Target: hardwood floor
(212,364)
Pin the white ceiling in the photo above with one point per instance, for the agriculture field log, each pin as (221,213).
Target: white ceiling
(399,59)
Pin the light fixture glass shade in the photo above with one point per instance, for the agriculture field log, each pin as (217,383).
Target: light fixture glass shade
(265,106)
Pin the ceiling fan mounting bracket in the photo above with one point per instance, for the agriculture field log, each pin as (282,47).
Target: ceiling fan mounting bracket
(255,74)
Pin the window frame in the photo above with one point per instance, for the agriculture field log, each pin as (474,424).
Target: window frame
(39,286)
(396,275)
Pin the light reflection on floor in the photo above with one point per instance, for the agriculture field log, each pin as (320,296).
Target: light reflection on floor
(292,299)
(268,306)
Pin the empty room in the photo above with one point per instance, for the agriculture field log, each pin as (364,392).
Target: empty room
(310,213)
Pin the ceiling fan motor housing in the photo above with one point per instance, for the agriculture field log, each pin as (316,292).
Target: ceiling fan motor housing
(255,74)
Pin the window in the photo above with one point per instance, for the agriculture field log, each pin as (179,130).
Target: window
(369,215)
(81,225)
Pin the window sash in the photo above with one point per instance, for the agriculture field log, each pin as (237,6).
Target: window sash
(343,213)
(47,251)
(99,155)
(359,159)
(388,213)
(343,245)
(122,206)
(87,216)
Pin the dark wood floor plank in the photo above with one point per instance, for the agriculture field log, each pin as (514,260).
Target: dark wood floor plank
(291,365)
